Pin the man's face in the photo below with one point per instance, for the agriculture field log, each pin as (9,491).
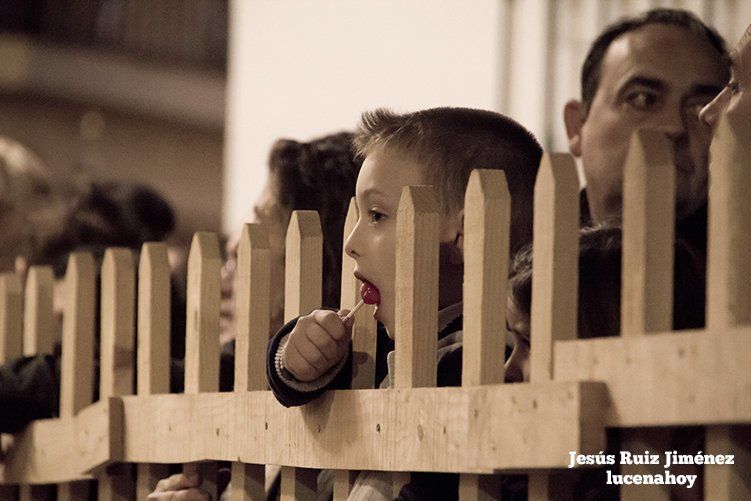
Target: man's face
(658,76)
(735,97)
(372,243)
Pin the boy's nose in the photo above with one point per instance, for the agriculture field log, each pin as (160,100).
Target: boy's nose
(349,244)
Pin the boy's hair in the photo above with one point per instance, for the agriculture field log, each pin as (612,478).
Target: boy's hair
(590,76)
(320,175)
(450,142)
(599,307)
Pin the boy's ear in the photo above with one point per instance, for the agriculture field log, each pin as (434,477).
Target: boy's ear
(454,236)
(574,119)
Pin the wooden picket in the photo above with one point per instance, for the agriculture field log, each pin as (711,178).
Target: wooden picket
(153,352)
(253,316)
(302,294)
(729,286)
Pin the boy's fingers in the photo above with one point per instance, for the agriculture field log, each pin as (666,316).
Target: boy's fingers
(298,365)
(327,346)
(332,323)
(343,313)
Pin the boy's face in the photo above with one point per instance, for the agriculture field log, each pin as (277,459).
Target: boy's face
(372,243)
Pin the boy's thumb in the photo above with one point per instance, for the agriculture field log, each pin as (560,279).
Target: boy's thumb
(349,321)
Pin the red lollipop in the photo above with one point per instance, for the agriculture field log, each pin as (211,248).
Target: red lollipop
(369,293)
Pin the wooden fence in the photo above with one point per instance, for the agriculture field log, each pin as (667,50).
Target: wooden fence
(647,377)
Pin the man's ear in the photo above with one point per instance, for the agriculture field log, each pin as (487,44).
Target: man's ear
(573,117)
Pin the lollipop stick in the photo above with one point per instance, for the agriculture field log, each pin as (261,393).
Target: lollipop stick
(352,313)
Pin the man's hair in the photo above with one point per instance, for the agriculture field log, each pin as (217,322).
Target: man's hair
(599,305)
(451,142)
(590,76)
(320,175)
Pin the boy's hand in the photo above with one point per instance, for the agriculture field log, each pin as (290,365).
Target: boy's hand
(317,343)
(182,487)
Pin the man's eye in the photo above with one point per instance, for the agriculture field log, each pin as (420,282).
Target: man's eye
(641,100)
(375,216)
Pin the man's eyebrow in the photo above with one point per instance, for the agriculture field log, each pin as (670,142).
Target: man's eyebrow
(653,83)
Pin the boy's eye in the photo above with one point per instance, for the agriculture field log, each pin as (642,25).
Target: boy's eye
(375,216)
(734,87)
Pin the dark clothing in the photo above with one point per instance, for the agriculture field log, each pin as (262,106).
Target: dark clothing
(692,229)
(29,389)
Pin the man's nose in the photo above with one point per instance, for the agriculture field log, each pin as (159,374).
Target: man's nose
(673,121)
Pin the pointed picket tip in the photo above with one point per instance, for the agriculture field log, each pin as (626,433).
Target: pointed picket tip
(117,259)
(418,200)
(557,174)
(205,245)
(487,184)
(80,267)
(254,236)
(304,223)
(153,254)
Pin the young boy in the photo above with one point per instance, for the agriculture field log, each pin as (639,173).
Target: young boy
(438,147)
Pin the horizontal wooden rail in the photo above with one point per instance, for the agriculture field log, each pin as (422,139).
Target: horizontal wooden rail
(667,379)
(478,430)
(61,450)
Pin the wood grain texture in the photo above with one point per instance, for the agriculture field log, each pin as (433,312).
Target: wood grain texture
(729,283)
(77,361)
(473,430)
(253,319)
(202,331)
(154,306)
(416,314)
(117,356)
(556,263)
(153,356)
(647,269)
(39,318)
(253,315)
(661,379)
(302,294)
(486,253)
(648,234)
(304,264)
(41,454)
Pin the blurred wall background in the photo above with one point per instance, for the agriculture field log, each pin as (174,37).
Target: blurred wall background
(304,68)
(137,89)
(121,89)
